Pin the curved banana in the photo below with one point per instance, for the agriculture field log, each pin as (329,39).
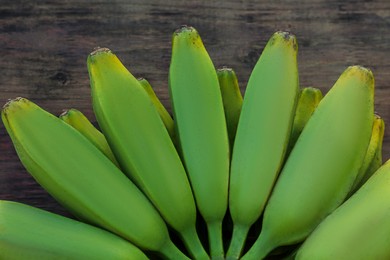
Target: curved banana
(142,145)
(232,100)
(323,164)
(31,233)
(201,129)
(309,98)
(81,123)
(83,179)
(165,116)
(373,159)
(262,134)
(359,228)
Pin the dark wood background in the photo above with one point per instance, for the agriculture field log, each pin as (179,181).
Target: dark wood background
(44,46)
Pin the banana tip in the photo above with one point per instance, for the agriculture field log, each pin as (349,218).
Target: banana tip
(184,28)
(360,68)
(64,113)
(377,116)
(286,36)
(362,72)
(186,35)
(99,50)
(225,68)
(226,72)
(12,102)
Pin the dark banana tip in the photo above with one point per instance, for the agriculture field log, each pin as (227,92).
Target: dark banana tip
(288,37)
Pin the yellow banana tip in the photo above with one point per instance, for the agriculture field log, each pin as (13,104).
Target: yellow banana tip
(12,103)
(312,92)
(363,73)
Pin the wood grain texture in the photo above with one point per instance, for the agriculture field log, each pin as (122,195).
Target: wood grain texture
(44,46)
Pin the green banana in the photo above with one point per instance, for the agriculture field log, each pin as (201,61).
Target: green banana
(322,166)
(201,129)
(83,179)
(232,100)
(165,116)
(81,123)
(373,159)
(32,233)
(262,134)
(142,144)
(309,98)
(359,228)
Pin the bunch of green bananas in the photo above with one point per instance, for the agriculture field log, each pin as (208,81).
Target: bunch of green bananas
(303,165)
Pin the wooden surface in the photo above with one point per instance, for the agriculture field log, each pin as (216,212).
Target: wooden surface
(44,46)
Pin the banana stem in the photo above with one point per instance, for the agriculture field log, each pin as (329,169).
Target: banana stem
(193,244)
(240,233)
(260,249)
(215,240)
(170,251)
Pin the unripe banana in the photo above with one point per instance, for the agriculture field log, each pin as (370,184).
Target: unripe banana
(142,145)
(323,164)
(309,98)
(81,123)
(83,179)
(201,128)
(359,228)
(31,233)
(262,134)
(165,116)
(373,159)
(232,100)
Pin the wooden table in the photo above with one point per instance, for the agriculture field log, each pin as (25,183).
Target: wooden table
(43,50)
